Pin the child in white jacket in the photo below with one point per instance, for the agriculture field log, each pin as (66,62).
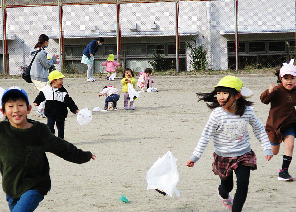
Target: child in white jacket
(112,95)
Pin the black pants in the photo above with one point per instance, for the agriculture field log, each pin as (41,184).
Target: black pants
(243,176)
(60,126)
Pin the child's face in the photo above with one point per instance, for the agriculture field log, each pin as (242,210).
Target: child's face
(289,81)
(128,74)
(16,112)
(222,98)
(57,83)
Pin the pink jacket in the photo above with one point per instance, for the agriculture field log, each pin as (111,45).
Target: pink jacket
(143,80)
(109,91)
(110,65)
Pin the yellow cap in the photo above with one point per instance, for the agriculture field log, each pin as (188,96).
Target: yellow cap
(231,82)
(111,57)
(55,75)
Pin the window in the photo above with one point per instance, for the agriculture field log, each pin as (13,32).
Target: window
(158,49)
(172,48)
(241,47)
(136,50)
(292,46)
(257,46)
(110,49)
(74,50)
(277,46)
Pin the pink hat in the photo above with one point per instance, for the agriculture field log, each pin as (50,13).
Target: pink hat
(288,68)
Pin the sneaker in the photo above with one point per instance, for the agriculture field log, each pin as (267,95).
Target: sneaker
(131,108)
(91,80)
(284,175)
(114,108)
(111,106)
(39,114)
(126,108)
(226,202)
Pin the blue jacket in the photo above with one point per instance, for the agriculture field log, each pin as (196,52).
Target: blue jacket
(40,66)
(91,48)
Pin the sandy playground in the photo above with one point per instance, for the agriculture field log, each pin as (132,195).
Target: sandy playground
(127,143)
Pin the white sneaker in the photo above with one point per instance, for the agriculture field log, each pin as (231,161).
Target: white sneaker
(91,80)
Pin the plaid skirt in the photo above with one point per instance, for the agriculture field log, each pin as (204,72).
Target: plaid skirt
(224,166)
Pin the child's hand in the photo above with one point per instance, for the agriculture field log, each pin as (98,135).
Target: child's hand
(35,104)
(76,111)
(268,157)
(189,163)
(93,157)
(271,87)
(100,94)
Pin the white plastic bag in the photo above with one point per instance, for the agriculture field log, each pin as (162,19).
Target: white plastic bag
(112,76)
(97,109)
(163,175)
(152,89)
(84,116)
(132,92)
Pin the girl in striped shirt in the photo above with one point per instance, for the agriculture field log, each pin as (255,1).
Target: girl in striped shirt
(227,127)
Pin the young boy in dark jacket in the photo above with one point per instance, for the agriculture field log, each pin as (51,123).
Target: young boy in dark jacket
(57,100)
(23,163)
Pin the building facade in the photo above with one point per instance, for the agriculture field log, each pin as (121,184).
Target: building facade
(266,31)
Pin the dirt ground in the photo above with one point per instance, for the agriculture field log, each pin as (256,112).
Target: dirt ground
(127,143)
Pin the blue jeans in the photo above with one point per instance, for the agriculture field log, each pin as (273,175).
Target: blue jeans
(112,98)
(28,202)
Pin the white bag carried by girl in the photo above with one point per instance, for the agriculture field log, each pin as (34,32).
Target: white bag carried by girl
(84,116)
(163,175)
(132,93)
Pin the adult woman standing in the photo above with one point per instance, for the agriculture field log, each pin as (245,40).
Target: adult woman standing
(88,57)
(40,67)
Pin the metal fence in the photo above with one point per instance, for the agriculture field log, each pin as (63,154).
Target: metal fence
(182,35)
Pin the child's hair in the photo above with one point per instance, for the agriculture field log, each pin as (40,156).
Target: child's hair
(148,70)
(212,97)
(277,74)
(105,87)
(42,38)
(128,69)
(14,95)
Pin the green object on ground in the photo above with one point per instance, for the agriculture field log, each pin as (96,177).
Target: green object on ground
(124,199)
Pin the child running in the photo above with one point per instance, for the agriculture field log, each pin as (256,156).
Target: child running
(128,77)
(112,95)
(23,143)
(227,126)
(57,100)
(281,122)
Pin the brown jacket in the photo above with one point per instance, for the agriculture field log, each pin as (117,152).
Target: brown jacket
(282,113)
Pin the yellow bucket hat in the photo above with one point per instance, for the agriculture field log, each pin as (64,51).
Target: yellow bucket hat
(111,57)
(230,82)
(55,75)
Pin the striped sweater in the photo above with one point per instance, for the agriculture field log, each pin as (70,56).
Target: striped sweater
(230,134)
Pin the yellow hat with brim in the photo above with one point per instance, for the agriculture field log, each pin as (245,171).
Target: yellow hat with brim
(230,82)
(111,57)
(55,75)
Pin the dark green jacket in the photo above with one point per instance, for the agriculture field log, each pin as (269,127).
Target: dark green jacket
(23,162)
